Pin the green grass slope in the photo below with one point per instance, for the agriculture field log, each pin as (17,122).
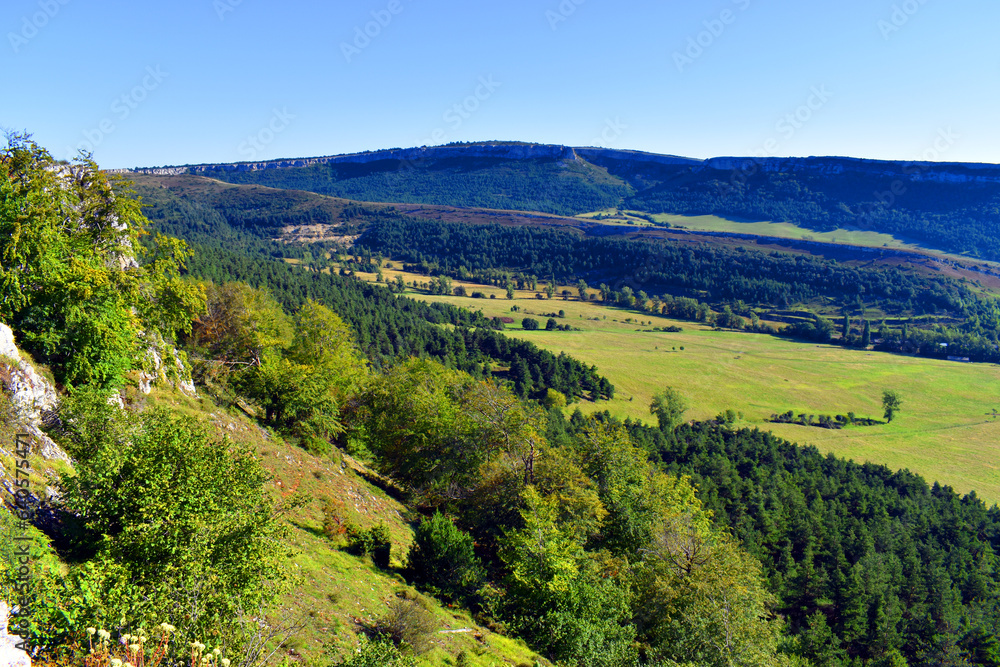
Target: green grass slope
(945,432)
(336,594)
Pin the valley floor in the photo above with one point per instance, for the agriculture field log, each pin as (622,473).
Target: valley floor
(947,430)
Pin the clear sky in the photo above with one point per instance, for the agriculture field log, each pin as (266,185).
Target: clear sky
(148,83)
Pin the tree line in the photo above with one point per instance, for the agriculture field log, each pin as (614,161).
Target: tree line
(628,269)
(390,327)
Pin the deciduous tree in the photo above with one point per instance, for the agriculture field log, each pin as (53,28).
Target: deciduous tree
(891,403)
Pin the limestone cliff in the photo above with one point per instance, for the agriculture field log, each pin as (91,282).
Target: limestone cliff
(32,397)
(626,160)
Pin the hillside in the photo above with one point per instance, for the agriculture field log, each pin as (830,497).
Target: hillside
(952,207)
(948,433)
(271,461)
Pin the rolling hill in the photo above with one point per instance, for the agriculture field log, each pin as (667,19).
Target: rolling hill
(952,207)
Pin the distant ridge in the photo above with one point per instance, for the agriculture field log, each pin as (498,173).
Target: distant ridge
(956,172)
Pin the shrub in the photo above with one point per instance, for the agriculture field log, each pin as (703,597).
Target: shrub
(374,542)
(377,653)
(551,325)
(554,399)
(726,417)
(529,324)
(333,525)
(407,625)
(442,559)
(163,505)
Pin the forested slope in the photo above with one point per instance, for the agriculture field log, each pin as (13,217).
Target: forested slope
(548,185)
(950,207)
(597,542)
(860,556)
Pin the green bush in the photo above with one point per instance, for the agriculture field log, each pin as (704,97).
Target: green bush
(373,542)
(443,560)
(377,653)
(529,324)
(407,624)
(166,509)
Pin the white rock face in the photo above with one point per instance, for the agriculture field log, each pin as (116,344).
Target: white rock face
(30,392)
(10,655)
(177,375)
(32,396)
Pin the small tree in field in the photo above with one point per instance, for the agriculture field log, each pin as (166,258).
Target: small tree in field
(890,403)
(669,407)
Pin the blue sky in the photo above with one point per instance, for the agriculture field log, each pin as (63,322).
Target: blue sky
(189,81)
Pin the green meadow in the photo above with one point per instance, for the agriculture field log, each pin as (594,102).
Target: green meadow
(945,432)
(780,230)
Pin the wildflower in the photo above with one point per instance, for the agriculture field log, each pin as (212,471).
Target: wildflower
(104,635)
(135,647)
(217,651)
(91,631)
(115,662)
(225,662)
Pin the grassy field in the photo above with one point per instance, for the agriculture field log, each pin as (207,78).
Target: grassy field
(781,230)
(787,230)
(945,430)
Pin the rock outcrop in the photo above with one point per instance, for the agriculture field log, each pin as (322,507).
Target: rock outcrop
(32,397)
(164,365)
(405,155)
(942,172)
(10,654)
